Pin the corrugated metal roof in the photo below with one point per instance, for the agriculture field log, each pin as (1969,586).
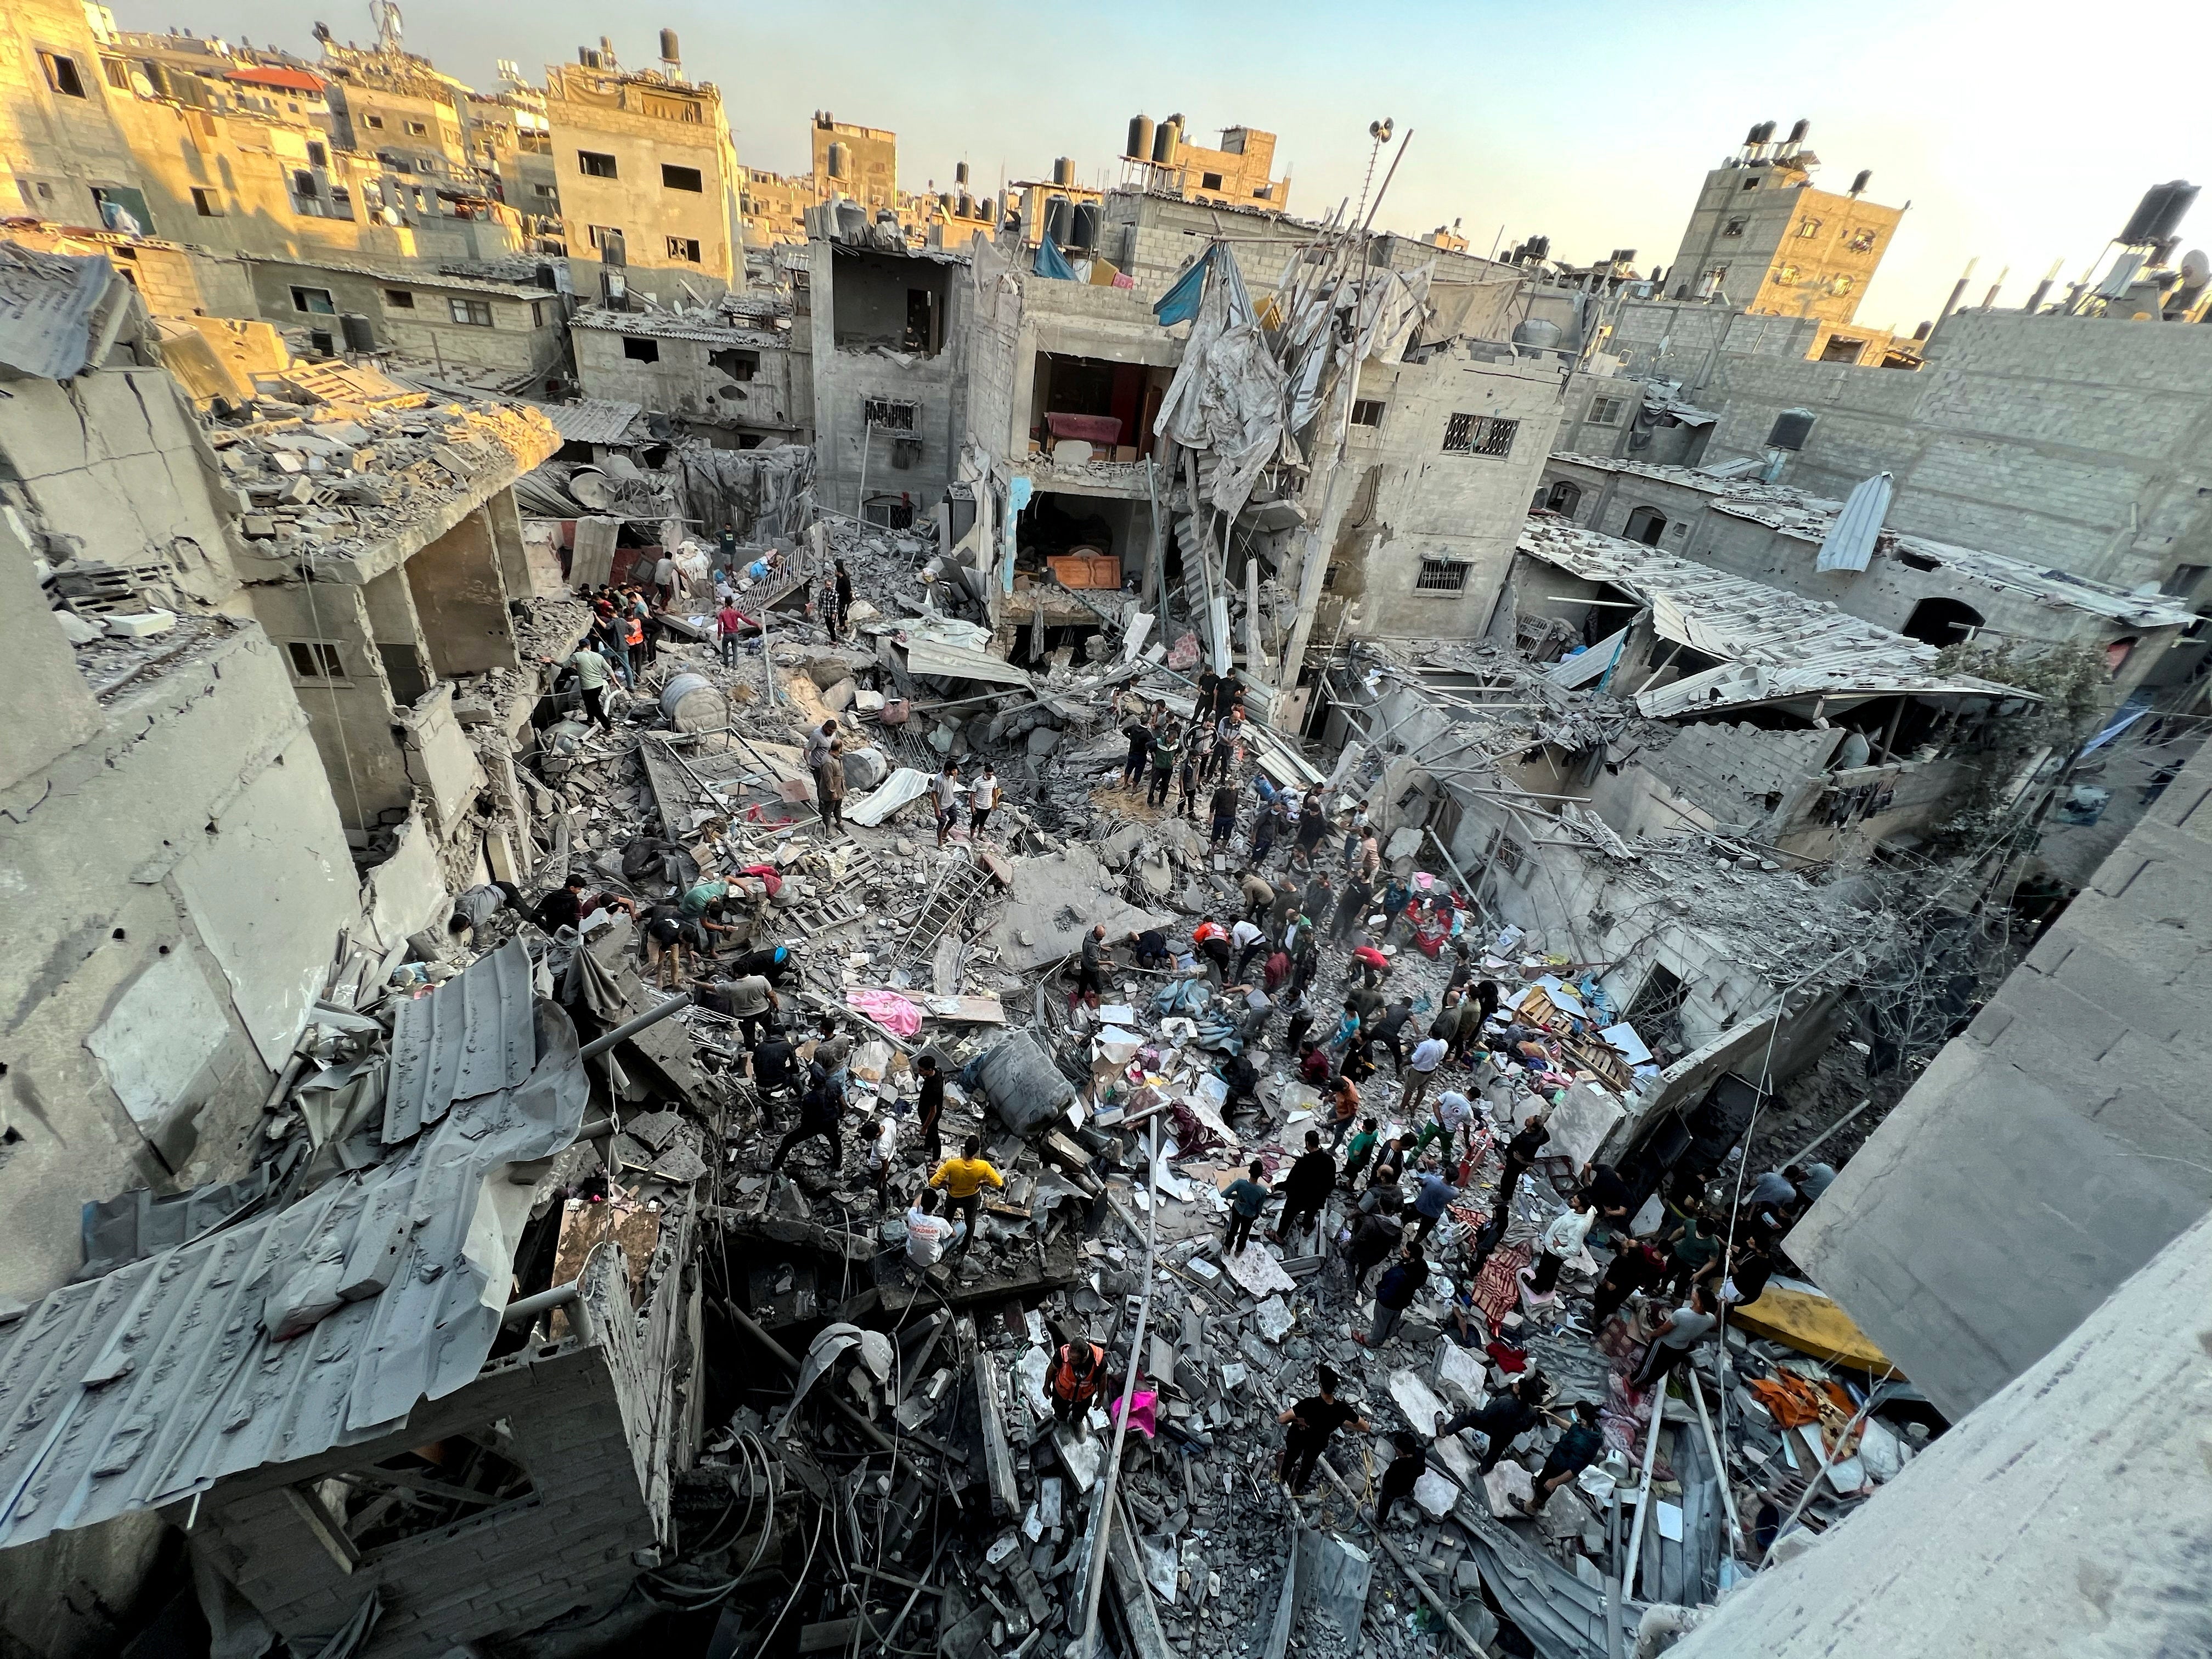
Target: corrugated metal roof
(48,302)
(592,421)
(143,1387)
(1773,644)
(470,1036)
(413,276)
(952,662)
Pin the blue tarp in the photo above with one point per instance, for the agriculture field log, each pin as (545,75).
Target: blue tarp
(1051,262)
(1179,303)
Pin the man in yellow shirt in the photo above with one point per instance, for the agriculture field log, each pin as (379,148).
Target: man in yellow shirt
(963,1179)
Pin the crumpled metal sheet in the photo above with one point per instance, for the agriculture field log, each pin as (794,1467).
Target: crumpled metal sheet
(1564,1617)
(470,1036)
(154,1383)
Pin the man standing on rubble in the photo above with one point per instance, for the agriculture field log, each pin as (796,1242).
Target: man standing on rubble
(1078,1369)
(1311,1422)
(1563,1237)
(1435,1196)
(929,1107)
(1313,825)
(750,1003)
(963,1179)
(1502,1419)
(1246,1197)
(829,787)
(1306,1190)
(1394,1291)
(1521,1151)
(821,1112)
(1136,732)
(1090,974)
(1165,750)
(592,676)
(982,798)
(1573,1452)
(946,788)
(728,621)
(1225,811)
(1259,898)
(775,1066)
(1376,1237)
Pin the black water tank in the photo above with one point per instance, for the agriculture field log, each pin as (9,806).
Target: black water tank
(358,335)
(322,342)
(1084,232)
(1059,220)
(1859,184)
(1063,171)
(959,172)
(1791,427)
(1167,141)
(1139,148)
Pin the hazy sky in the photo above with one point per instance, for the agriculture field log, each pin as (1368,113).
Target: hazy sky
(2018,134)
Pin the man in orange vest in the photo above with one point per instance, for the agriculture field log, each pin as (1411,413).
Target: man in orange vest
(1077,1369)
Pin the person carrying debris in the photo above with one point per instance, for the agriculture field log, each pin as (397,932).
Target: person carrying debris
(982,798)
(1305,1190)
(1247,1196)
(1371,960)
(1165,750)
(592,676)
(1078,1370)
(1311,1422)
(946,787)
(750,1002)
(963,1179)
(1259,896)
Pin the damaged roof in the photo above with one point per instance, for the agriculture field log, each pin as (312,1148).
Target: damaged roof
(707,327)
(1774,645)
(1808,518)
(322,1324)
(594,421)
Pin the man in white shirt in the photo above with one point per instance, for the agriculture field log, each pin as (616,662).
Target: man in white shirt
(982,796)
(1427,1057)
(883,1150)
(1456,1115)
(1562,1239)
(1247,941)
(946,788)
(928,1233)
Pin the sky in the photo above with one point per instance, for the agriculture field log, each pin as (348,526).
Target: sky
(2019,137)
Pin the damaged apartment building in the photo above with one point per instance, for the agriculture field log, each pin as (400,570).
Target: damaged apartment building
(285,647)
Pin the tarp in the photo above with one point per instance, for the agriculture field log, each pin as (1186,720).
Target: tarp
(1849,543)
(1227,396)
(1051,262)
(1179,303)
(1811,1324)
(901,787)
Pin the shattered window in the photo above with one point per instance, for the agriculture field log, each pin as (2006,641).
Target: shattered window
(673,178)
(1507,856)
(1479,435)
(1785,276)
(1839,286)
(315,300)
(1734,228)
(1807,228)
(641,351)
(400,298)
(1367,411)
(474,313)
(1861,241)
(888,415)
(683,248)
(1441,576)
(314,659)
(420,1491)
(592,165)
(63,74)
(1657,1011)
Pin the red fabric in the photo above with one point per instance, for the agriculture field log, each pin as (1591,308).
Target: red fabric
(1510,1359)
(766,873)
(1277,970)
(1371,956)
(1497,1287)
(1092,429)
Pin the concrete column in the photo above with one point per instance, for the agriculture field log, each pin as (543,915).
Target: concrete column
(397,633)
(507,544)
(349,707)
(460,598)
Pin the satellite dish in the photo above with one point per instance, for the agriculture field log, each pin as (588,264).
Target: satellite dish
(1380,130)
(2196,268)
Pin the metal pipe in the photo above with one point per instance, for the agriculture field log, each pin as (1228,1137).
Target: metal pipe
(1720,1463)
(1105,1511)
(1643,1486)
(530,1307)
(630,1028)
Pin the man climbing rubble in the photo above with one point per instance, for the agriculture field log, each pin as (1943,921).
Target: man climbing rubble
(1311,1422)
(1306,1190)
(1078,1371)
(592,676)
(946,788)
(1246,1197)
(963,1179)
(821,1112)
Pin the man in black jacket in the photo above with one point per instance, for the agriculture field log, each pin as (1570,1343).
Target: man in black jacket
(1401,1283)
(1504,1419)
(1306,1189)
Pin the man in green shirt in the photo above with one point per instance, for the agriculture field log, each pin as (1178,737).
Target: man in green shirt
(1247,1196)
(1165,750)
(592,676)
(1361,1149)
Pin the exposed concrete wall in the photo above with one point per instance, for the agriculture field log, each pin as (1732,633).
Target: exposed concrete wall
(461,600)
(42,671)
(114,464)
(776,400)
(174,887)
(2066,1517)
(2075,441)
(1406,500)
(352,717)
(2047,1153)
(523,334)
(1779,244)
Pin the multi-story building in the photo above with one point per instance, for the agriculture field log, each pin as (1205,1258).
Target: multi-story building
(740,374)
(647,177)
(1762,236)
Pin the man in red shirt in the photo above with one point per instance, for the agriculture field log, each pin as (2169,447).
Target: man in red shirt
(728,621)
